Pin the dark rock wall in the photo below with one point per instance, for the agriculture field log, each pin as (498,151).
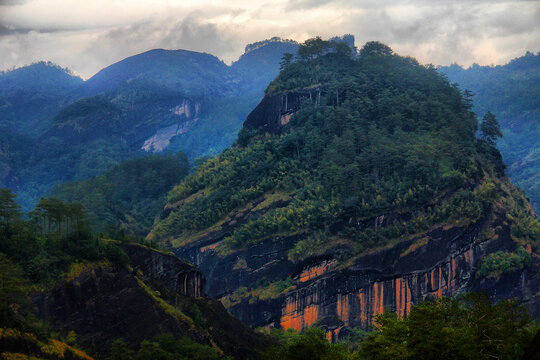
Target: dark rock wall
(166,268)
(158,294)
(105,304)
(275,111)
(393,278)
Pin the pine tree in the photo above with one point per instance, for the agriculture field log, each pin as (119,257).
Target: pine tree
(489,128)
(285,60)
(9,209)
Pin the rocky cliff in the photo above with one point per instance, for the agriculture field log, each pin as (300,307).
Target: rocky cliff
(361,190)
(441,262)
(156,294)
(275,111)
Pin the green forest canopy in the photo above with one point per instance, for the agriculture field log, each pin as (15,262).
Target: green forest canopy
(389,135)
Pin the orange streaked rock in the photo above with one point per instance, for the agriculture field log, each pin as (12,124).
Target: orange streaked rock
(293,316)
(363,316)
(284,119)
(210,247)
(398,300)
(342,308)
(378,298)
(469,257)
(439,291)
(314,271)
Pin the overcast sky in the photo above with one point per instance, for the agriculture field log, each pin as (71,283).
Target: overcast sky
(87,35)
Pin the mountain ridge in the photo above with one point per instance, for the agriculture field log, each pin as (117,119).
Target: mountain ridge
(347,165)
(157,101)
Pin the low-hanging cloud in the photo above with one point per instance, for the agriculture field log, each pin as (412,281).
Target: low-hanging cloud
(11,2)
(463,32)
(93,36)
(190,33)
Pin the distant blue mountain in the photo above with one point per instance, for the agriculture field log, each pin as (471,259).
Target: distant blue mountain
(30,96)
(512,93)
(191,72)
(260,62)
(157,101)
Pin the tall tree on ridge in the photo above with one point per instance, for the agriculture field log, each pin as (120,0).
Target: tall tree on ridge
(489,128)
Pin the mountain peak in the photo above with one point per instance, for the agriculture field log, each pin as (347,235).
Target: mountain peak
(357,184)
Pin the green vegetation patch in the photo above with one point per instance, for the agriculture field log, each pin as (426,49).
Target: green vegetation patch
(30,347)
(265,291)
(381,135)
(414,246)
(127,198)
(164,346)
(500,262)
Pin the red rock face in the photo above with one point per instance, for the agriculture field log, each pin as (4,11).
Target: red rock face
(297,315)
(210,247)
(315,271)
(394,278)
(398,294)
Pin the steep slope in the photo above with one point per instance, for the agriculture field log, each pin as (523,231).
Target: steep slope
(512,93)
(154,96)
(63,284)
(158,294)
(169,99)
(30,96)
(355,185)
(222,117)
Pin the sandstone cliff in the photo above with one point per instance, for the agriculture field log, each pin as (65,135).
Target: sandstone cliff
(356,185)
(441,262)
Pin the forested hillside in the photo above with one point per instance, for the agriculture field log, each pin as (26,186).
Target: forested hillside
(512,93)
(356,184)
(62,288)
(30,96)
(57,128)
(128,197)
(381,133)
(362,212)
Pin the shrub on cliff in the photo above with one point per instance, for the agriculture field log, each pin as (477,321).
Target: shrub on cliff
(312,345)
(467,327)
(501,262)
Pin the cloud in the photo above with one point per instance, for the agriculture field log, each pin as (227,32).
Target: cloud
(453,31)
(89,35)
(11,2)
(10,30)
(190,33)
